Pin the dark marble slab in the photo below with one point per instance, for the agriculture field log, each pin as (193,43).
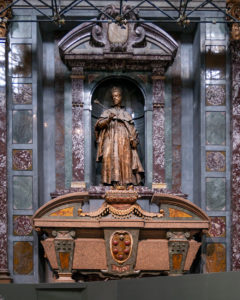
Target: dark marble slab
(215,61)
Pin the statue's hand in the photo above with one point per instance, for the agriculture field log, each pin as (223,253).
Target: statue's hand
(111,116)
(133,144)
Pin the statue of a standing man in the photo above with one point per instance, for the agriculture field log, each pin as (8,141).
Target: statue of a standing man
(117,141)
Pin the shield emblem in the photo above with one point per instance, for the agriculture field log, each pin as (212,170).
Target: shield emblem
(121,246)
(117,34)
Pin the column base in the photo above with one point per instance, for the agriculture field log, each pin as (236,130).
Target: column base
(5,277)
(65,277)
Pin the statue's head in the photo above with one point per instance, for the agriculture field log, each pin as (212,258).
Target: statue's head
(116,95)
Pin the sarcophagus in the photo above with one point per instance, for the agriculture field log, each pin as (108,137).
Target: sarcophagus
(120,238)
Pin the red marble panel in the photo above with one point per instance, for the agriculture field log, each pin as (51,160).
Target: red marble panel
(22,225)
(215,94)
(215,161)
(158,131)
(22,160)
(59,117)
(176,122)
(217,227)
(77,126)
(3,165)
(235,50)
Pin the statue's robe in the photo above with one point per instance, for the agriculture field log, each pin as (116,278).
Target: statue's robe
(117,142)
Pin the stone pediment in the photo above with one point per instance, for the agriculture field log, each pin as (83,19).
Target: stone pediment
(119,41)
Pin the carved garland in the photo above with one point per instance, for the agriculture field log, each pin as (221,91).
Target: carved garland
(4,17)
(233,9)
(107,209)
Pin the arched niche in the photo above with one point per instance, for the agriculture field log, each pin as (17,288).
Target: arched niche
(133,102)
(93,50)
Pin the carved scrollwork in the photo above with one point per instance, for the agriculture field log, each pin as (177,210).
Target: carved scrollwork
(118,35)
(4,17)
(233,9)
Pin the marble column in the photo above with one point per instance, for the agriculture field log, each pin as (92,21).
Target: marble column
(4,274)
(158,131)
(77,127)
(235,51)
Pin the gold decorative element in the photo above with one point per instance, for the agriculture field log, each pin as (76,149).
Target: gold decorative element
(160,185)
(7,14)
(175,213)
(121,244)
(121,195)
(133,210)
(78,184)
(233,9)
(66,212)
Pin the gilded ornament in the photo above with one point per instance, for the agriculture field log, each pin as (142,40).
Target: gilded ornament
(7,14)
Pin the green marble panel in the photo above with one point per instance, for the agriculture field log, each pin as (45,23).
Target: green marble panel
(22,126)
(21,60)
(215,128)
(21,29)
(22,192)
(215,31)
(215,193)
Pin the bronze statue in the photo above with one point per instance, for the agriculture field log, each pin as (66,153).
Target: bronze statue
(117,141)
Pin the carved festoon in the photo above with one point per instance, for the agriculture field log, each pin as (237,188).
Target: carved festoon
(4,17)
(233,9)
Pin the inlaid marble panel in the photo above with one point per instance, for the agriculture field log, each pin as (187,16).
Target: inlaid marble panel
(23,258)
(22,192)
(215,161)
(22,225)
(21,29)
(22,93)
(215,128)
(215,193)
(21,60)
(22,160)
(215,61)
(217,227)
(215,258)
(215,94)
(22,126)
